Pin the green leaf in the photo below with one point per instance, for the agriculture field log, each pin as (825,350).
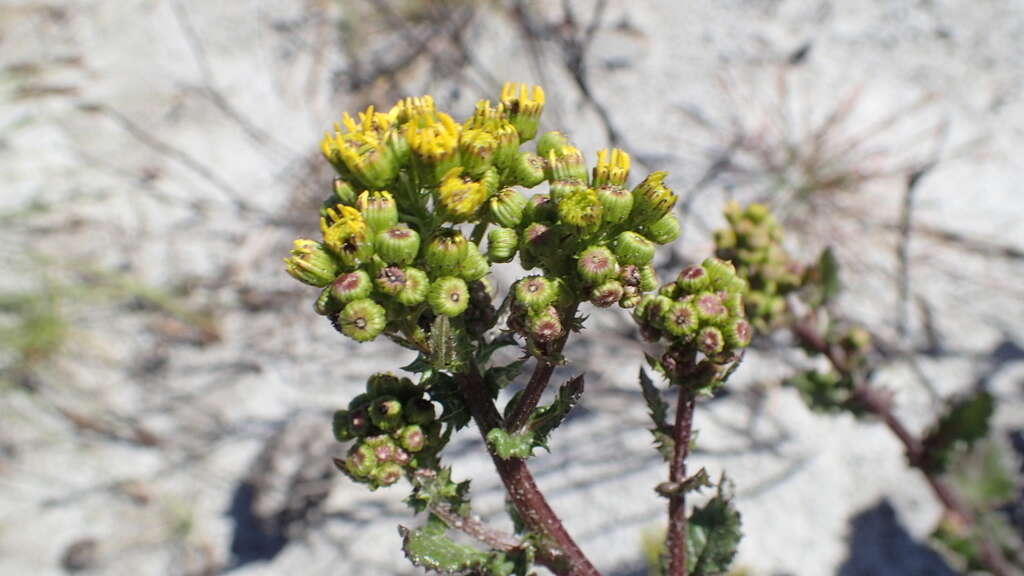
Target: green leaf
(431,549)
(445,391)
(498,377)
(446,345)
(826,392)
(422,363)
(487,349)
(547,418)
(658,410)
(505,445)
(966,421)
(828,275)
(433,488)
(713,534)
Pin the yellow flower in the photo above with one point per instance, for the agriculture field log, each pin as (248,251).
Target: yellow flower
(364,151)
(612,170)
(460,197)
(346,235)
(523,107)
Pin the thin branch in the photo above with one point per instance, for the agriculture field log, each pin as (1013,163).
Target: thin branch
(534,390)
(681,432)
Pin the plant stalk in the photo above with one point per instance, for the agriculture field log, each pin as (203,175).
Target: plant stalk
(534,390)
(676,540)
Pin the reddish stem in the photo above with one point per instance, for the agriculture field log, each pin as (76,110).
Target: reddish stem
(676,541)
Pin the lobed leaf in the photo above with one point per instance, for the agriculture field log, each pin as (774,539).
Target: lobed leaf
(547,418)
(712,534)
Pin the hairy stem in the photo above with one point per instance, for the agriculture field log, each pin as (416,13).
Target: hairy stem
(880,404)
(676,541)
(557,551)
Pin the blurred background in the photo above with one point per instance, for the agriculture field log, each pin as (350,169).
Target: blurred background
(165,387)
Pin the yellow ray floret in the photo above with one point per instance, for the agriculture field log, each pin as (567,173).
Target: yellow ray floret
(518,98)
(432,136)
(612,167)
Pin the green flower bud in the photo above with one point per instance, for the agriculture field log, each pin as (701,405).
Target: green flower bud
(710,341)
(351,286)
(445,252)
(416,286)
(387,384)
(738,333)
(386,414)
(722,275)
(535,292)
(343,193)
(606,294)
(476,151)
(540,208)
(629,275)
(710,307)
(419,411)
(648,278)
(670,291)
(679,318)
(537,239)
(390,280)
(325,304)
(387,474)
(581,210)
(630,300)
(398,244)
(527,170)
(411,438)
(597,264)
(549,141)
(523,107)
(362,320)
(340,424)
(545,326)
(617,202)
(559,189)
(506,207)
(310,263)
(474,265)
(693,279)
(378,209)
(652,200)
(361,462)
(567,163)
(733,302)
(448,296)
(612,168)
(632,248)
(665,230)
(502,244)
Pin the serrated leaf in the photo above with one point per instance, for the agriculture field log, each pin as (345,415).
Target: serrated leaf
(445,391)
(966,421)
(445,345)
(712,535)
(487,349)
(828,275)
(433,488)
(657,407)
(505,445)
(431,549)
(498,377)
(549,417)
(420,364)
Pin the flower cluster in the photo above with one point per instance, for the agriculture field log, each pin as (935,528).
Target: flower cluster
(753,242)
(394,427)
(702,309)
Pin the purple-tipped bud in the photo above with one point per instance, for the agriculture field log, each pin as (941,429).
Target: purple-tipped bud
(411,438)
(606,294)
(710,307)
(535,292)
(386,413)
(679,319)
(545,326)
(693,279)
(597,264)
(390,280)
(398,244)
(632,248)
(710,341)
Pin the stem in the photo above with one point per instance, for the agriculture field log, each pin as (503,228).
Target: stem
(472,526)
(558,551)
(880,404)
(534,390)
(676,541)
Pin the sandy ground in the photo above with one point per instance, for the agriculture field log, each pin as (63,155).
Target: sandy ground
(175,142)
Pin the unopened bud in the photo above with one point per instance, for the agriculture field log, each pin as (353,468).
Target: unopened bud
(632,248)
(679,319)
(545,326)
(417,285)
(617,202)
(474,265)
(445,252)
(693,279)
(665,230)
(448,296)
(535,292)
(411,438)
(419,411)
(710,341)
(527,170)
(310,263)
(606,294)
(362,320)
(476,151)
(506,207)
(390,280)
(378,209)
(502,244)
(597,264)
(549,141)
(398,244)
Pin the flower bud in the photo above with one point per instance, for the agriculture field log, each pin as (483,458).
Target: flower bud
(445,252)
(597,264)
(378,209)
(679,319)
(433,140)
(387,384)
(652,200)
(710,341)
(617,202)
(417,285)
(506,207)
(502,244)
(419,411)
(738,333)
(629,300)
(476,151)
(537,239)
(474,265)
(632,248)
(693,279)
(386,414)
(629,275)
(710,307)
(559,189)
(343,193)
(351,286)
(670,291)
(722,275)
(340,424)
(363,153)
(545,326)
(606,294)
(411,438)
(527,170)
(648,278)
(567,163)
(310,263)
(390,280)
(448,296)
(549,141)
(361,461)
(535,292)
(325,304)
(581,210)
(397,244)
(459,197)
(664,231)
(387,474)
(362,320)
(540,208)
(523,107)
(733,302)
(612,168)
